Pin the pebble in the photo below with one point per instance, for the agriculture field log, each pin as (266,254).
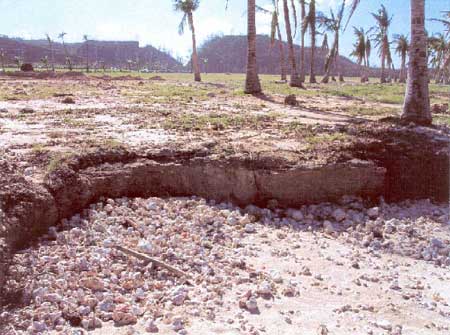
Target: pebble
(250,228)
(373,212)
(339,215)
(151,327)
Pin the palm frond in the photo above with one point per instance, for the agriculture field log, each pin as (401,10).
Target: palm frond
(182,24)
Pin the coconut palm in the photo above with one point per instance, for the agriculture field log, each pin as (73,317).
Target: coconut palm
(360,51)
(3,59)
(86,40)
(401,48)
(68,60)
(252,84)
(275,31)
(187,7)
(333,24)
(438,48)
(52,52)
(310,22)
(303,28)
(44,61)
(18,62)
(417,99)
(381,37)
(295,79)
(325,47)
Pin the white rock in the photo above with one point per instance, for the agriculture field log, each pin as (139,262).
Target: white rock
(328,226)
(265,288)
(179,296)
(295,214)
(339,215)
(251,305)
(384,324)
(373,212)
(145,246)
(276,277)
(250,228)
(177,323)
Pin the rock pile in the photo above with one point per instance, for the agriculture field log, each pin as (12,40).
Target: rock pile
(76,278)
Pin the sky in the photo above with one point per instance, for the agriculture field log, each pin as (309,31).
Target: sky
(155,22)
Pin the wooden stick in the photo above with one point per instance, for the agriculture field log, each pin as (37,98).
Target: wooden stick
(152,260)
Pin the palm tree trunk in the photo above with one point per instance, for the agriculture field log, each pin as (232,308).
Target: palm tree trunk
(87,56)
(196,68)
(295,79)
(252,84)
(417,100)
(52,55)
(282,56)
(402,78)
(302,49)
(383,67)
(312,12)
(338,63)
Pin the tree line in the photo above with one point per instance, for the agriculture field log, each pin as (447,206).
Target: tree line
(417,103)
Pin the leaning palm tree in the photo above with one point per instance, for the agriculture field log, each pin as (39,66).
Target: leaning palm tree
(381,37)
(310,22)
(360,52)
(275,31)
(442,47)
(401,48)
(252,84)
(295,79)
(302,38)
(52,53)
(187,7)
(2,59)
(417,99)
(86,40)
(68,60)
(438,48)
(333,24)
(44,61)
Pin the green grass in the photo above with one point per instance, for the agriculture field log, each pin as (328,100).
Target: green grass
(214,121)
(442,120)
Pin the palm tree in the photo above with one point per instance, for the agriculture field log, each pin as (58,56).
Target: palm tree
(2,59)
(252,84)
(438,50)
(275,30)
(302,37)
(381,37)
(416,108)
(325,46)
(417,102)
(52,53)
(310,22)
(18,62)
(401,48)
(360,52)
(44,61)
(333,24)
(187,7)
(86,40)
(295,79)
(68,60)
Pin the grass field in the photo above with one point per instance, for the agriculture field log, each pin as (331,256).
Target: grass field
(382,99)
